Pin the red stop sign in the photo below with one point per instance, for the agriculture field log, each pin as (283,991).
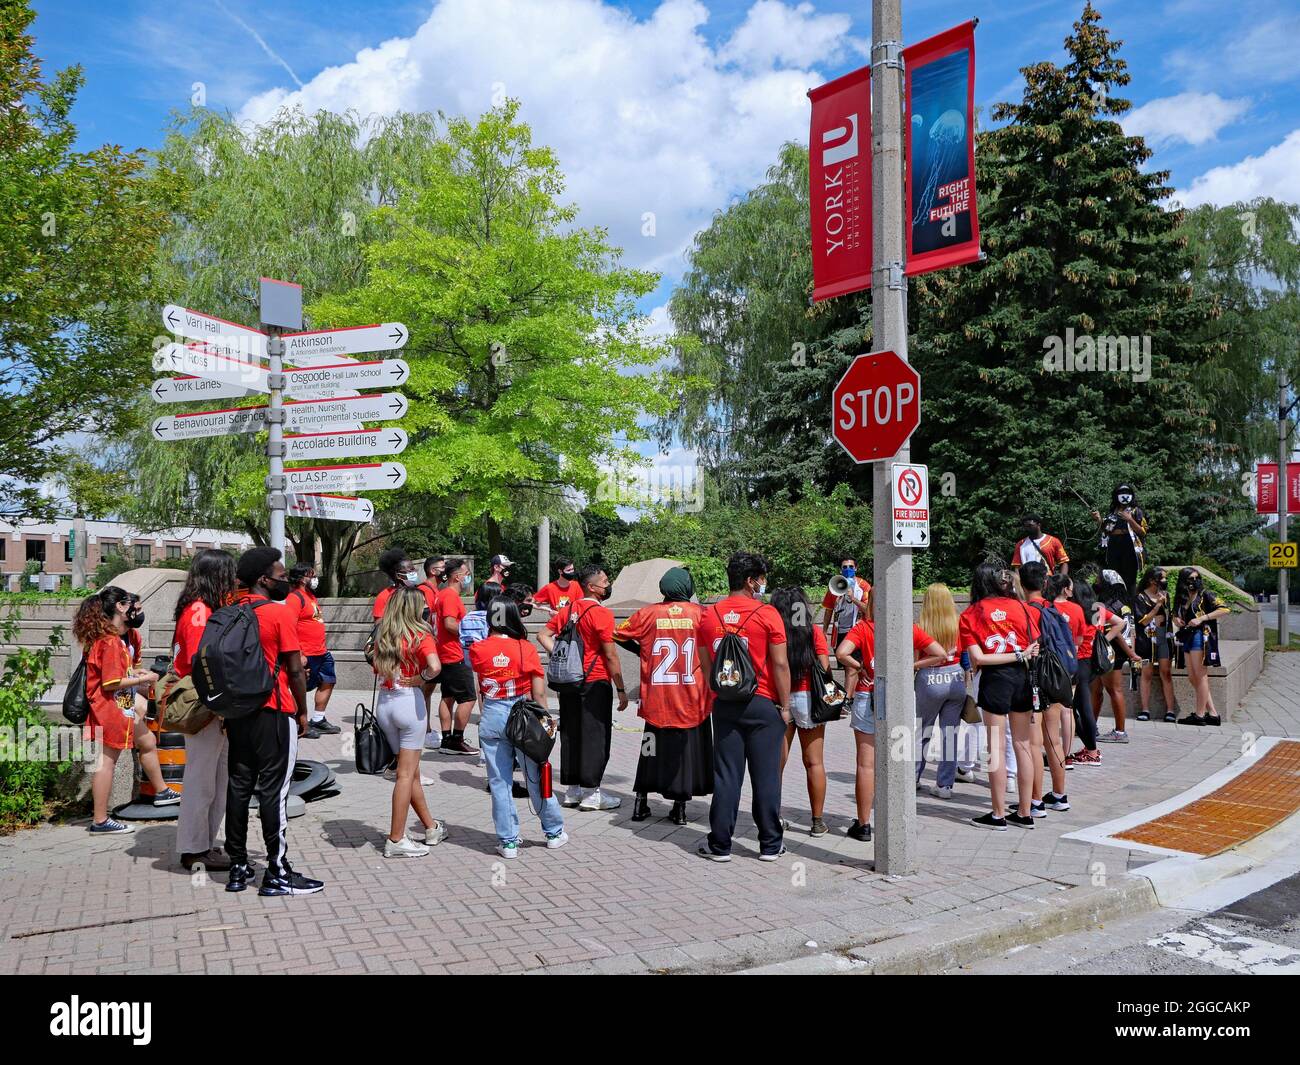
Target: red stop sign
(876,406)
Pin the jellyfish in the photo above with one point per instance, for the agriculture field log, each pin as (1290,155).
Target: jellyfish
(947,138)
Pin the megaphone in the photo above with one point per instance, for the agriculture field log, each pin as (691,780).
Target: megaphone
(839,585)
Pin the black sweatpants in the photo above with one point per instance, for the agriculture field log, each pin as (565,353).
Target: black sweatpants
(586,728)
(1085,719)
(746,733)
(263,749)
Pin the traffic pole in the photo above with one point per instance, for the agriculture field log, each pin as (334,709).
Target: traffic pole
(543,551)
(275,481)
(895,798)
(1283,491)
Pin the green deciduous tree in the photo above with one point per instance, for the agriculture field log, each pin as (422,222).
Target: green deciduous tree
(529,370)
(79,233)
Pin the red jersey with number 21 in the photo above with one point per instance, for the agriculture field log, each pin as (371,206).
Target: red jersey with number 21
(997,625)
(672,679)
(505,667)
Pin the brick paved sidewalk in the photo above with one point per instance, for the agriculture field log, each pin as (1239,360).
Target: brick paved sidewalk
(622,897)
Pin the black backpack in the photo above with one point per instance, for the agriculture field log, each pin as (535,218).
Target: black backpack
(564,667)
(230,672)
(1103,654)
(1049,672)
(733,677)
(76,703)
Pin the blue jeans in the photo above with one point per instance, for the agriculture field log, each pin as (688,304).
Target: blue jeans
(501,757)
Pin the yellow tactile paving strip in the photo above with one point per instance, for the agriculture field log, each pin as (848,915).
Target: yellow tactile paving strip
(1252,802)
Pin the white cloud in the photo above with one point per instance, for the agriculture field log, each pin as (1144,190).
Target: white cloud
(1191,117)
(645,115)
(1274,173)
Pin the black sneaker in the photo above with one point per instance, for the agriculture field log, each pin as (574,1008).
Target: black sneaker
(1212,719)
(324,728)
(290,883)
(457,745)
(1170,717)
(240,874)
(1143,716)
(860,832)
(1056,802)
(518,790)
(1023,822)
(312,733)
(1191,719)
(998,824)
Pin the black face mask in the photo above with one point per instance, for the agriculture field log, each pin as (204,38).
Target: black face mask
(135,619)
(277,589)
(525,609)
(567,576)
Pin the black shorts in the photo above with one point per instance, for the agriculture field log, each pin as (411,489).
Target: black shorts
(456,681)
(1005,690)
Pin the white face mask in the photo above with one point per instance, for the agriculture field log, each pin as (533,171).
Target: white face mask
(762,589)
(314,583)
(412,579)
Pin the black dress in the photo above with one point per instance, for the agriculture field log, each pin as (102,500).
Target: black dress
(676,763)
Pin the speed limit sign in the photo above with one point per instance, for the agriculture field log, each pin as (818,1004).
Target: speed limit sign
(1282,556)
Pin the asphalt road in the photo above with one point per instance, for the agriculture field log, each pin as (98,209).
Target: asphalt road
(1256,935)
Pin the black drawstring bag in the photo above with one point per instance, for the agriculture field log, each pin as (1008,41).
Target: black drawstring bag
(76,704)
(531,728)
(373,754)
(827,695)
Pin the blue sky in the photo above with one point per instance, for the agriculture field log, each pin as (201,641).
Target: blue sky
(668,109)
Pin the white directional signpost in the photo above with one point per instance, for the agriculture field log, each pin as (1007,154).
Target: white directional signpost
(346,444)
(333,379)
(331,507)
(911,504)
(354,477)
(352,340)
(314,410)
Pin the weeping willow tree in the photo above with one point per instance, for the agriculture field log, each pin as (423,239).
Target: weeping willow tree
(294,198)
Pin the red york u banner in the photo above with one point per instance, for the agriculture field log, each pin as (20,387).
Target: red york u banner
(943,227)
(839,185)
(1266,488)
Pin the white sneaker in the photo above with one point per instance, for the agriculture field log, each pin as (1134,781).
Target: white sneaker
(572,797)
(965,774)
(404,848)
(509,851)
(940,793)
(390,775)
(596,801)
(433,740)
(554,843)
(432,836)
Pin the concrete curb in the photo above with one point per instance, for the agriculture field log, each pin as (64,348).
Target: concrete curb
(934,950)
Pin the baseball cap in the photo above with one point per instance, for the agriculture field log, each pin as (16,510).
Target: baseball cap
(500,560)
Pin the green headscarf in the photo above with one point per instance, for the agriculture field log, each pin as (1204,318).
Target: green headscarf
(676,586)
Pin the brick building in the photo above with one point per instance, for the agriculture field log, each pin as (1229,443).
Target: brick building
(50,544)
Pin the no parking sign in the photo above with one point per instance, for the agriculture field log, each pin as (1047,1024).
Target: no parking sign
(910,500)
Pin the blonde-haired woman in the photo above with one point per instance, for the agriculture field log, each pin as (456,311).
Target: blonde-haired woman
(940,688)
(405,658)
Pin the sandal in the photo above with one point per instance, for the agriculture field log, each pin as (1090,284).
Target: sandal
(1143,716)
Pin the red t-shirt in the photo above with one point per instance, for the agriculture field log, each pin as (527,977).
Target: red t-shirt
(414,658)
(107,661)
(863,635)
(449,605)
(311,627)
(920,641)
(997,625)
(757,624)
(804,683)
(505,666)
(381,601)
(277,628)
(1090,631)
(189,630)
(595,626)
(672,679)
(1047,545)
(555,597)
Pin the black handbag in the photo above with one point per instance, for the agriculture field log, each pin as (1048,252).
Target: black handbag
(531,728)
(827,695)
(76,703)
(372,752)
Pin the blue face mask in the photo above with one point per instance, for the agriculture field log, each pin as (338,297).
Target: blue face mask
(849,572)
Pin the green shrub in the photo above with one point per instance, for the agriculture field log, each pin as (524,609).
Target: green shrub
(111,566)
(25,784)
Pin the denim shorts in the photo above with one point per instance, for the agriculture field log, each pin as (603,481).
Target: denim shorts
(320,670)
(1193,639)
(801,709)
(863,717)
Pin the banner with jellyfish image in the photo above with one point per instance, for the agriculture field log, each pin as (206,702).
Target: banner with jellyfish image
(940,135)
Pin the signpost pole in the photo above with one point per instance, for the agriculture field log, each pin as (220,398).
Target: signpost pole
(543,551)
(1283,492)
(275,482)
(895,799)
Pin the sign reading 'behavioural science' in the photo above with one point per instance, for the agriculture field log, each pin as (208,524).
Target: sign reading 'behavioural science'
(311,415)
